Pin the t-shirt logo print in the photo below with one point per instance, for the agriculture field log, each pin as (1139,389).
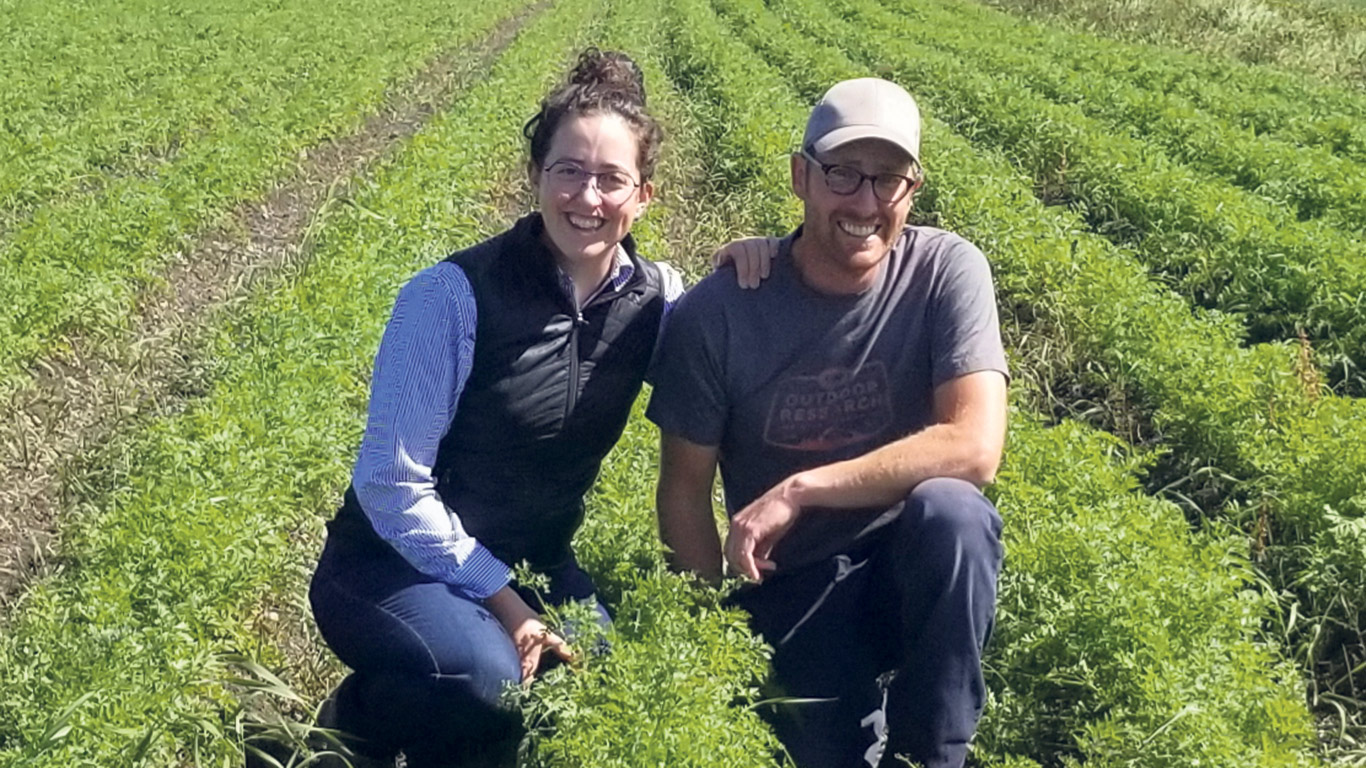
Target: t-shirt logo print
(833,409)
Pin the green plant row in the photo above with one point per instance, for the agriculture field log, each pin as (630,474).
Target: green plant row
(199,518)
(1102,654)
(1222,247)
(1260,99)
(131,128)
(96,93)
(1311,181)
(679,684)
(1250,433)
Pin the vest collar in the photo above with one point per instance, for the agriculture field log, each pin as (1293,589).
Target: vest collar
(524,244)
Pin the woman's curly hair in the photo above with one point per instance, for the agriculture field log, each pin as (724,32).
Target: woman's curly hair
(601,82)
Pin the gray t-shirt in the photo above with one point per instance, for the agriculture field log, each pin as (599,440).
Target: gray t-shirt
(784,378)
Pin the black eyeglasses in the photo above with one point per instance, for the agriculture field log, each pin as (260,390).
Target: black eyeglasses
(614,186)
(846,180)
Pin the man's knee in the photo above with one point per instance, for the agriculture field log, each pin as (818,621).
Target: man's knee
(952,515)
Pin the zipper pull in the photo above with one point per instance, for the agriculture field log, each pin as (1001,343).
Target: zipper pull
(579,322)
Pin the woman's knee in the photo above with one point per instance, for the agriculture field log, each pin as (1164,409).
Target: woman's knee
(466,645)
(420,631)
(488,670)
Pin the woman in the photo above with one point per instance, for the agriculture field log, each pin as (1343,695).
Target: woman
(505,375)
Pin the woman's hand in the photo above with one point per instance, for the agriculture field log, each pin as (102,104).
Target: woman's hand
(530,636)
(753,256)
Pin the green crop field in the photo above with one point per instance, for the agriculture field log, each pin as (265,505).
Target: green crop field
(1177,233)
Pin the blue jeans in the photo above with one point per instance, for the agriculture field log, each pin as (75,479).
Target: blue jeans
(430,664)
(889,637)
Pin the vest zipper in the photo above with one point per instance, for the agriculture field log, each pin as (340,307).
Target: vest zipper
(573,394)
(579,322)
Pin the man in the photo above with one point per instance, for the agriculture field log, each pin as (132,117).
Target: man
(856,403)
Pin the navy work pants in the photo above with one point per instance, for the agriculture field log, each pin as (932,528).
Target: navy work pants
(887,637)
(430,665)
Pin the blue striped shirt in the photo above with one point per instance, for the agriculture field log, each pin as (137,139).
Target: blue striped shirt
(423,363)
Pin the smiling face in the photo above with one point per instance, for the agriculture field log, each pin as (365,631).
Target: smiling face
(581,227)
(846,237)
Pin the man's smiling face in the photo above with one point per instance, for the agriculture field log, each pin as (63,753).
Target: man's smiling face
(848,236)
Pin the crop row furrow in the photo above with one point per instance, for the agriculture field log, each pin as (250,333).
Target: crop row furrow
(1263,100)
(94,96)
(199,517)
(1314,43)
(1077,527)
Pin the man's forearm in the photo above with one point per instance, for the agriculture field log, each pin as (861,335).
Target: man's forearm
(965,442)
(683,500)
(689,531)
(885,476)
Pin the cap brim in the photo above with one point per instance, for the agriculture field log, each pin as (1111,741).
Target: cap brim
(841,136)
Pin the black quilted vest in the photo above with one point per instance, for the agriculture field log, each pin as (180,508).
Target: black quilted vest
(548,396)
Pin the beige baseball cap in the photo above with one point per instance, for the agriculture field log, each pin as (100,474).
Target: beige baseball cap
(865,108)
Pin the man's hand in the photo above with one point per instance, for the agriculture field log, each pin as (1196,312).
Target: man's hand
(530,635)
(757,528)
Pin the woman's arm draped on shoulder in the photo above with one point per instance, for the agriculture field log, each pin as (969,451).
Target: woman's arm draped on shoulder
(423,362)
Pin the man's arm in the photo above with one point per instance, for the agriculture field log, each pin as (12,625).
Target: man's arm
(964,442)
(683,501)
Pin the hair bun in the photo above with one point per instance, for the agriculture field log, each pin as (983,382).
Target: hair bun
(609,72)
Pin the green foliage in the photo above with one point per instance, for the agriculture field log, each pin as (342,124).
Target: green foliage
(674,688)
(671,692)
(130,127)
(1258,100)
(1109,607)
(1080,70)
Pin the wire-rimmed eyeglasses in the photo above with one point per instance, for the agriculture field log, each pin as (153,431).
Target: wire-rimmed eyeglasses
(566,176)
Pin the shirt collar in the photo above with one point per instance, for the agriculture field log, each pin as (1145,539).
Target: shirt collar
(623,269)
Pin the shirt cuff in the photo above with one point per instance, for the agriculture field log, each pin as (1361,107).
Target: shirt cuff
(482,574)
